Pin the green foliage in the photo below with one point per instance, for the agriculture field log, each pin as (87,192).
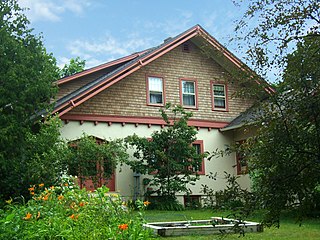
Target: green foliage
(165,203)
(27,72)
(233,197)
(271,28)
(66,212)
(75,65)
(45,158)
(284,155)
(169,156)
(89,159)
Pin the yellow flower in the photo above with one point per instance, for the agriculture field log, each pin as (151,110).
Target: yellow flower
(123,226)
(9,201)
(52,187)
(41,185)
(28,216)
(146,203)
(60,197)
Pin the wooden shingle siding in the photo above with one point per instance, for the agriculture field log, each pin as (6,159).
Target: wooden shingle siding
(128,97)
(68,87)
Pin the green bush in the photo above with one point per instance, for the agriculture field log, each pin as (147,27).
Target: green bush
(66,212)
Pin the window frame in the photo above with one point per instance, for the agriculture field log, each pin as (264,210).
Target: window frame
(200,142)
(195,93)
(148,91)
(214,108)
(241,170)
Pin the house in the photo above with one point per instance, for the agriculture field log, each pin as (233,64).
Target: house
(123,97)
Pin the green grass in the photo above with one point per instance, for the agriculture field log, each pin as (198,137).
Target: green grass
(289,228)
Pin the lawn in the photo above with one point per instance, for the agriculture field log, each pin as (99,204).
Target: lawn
(289,229)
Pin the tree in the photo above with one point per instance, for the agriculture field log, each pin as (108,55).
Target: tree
(169,155)
(271,29)
(95,161)
(75,65)
(284,154)
(27,72)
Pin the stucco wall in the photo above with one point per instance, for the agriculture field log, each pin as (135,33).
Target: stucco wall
(124,179)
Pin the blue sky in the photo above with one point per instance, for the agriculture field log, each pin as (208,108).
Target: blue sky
(101,30)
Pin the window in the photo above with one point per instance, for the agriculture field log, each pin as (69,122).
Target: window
(186,47)
(198,145)
(219,97)
(155,95)
(242,165)
(188,91)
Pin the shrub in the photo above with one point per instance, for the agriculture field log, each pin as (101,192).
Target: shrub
(66,212)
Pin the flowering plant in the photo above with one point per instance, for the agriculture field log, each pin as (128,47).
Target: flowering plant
(67,212)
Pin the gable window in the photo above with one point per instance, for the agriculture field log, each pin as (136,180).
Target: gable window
(155,91)
(242,165)
(198,145)
(219,97)
(188,91)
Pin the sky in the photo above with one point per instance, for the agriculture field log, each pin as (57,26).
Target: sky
(99,31)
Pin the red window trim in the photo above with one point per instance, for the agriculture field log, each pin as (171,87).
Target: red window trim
(238,159)
(163,91)
(196,92)
(200,142)
(226,96)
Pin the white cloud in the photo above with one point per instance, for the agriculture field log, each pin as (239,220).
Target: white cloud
(50,10)
(108,48)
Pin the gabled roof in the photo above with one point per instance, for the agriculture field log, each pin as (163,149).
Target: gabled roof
(134,62)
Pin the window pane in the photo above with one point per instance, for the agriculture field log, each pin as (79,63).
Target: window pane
(218,90)
(189,100)
(155,90)
(219,102)
(155,84)
(198,149)
(156,97)
(188,87)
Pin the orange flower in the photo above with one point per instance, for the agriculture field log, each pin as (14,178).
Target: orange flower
(45,198)
(146,203)
(31,189)
(32,193)
(52,187)
(60,197)
(81,204)
(123,226)
(38,216)
(66,184)
(74,217)
(28,216)
(41,185)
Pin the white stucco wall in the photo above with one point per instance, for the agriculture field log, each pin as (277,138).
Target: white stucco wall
(124,181)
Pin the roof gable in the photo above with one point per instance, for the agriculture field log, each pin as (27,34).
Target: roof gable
(134,62)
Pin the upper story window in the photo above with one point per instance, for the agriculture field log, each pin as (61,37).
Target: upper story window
(155,91)
(188,93)
(219,97)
